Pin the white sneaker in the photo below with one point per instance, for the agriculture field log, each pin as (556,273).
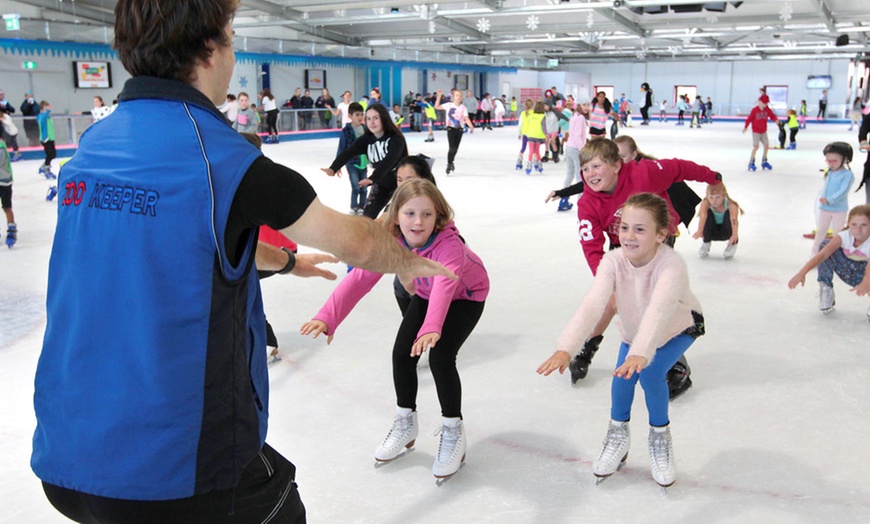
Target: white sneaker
(451,449)
(661,456)
(402,436)
(729,251)
(705,250)
(826,298)
(614,449)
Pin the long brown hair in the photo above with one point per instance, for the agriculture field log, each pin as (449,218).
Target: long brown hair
(418,187)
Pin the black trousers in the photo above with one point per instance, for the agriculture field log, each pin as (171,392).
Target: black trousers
(266,493)
(50,151)
(272,121)
(461,319)
(454,137)
(644,112)
(714,231)
(792,134)
(377,200)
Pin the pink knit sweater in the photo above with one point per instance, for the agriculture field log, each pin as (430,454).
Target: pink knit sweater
(654,302)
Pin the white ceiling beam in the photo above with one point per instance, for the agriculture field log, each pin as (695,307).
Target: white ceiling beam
(827,17)
(303,25)
(631,27)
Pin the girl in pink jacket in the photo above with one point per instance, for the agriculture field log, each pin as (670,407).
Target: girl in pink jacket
(441,315)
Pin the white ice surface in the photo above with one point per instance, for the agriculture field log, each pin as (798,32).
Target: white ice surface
(772,431)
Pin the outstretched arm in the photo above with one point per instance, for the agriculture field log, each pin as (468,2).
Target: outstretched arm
(359,242)
(817,259)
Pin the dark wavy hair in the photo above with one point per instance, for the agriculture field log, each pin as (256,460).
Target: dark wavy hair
(165,38)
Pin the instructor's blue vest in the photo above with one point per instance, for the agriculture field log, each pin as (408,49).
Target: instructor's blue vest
(152,381)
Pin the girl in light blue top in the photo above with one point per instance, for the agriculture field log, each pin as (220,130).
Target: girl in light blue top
(834,197)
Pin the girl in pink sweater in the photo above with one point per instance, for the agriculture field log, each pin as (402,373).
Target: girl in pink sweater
(659,319)
(441,315)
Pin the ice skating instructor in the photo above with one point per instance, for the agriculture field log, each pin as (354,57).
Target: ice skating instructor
(151,391)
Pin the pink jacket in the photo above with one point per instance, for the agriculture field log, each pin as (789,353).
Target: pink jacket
(446,247)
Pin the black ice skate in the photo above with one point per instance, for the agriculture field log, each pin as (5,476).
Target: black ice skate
(579,367)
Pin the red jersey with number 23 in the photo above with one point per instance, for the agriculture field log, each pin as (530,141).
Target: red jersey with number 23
(599,214)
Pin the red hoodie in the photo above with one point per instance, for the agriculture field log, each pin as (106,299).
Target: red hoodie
(758,118)
(600,213)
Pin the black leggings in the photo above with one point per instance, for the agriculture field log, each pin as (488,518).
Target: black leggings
(272,121)
(454,137)
(459,323)
(792,134)
(266,492)
(50,151)
(714,231)
(377,200)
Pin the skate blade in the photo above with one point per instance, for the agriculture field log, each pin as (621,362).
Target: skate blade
(381,463)
(601,478)
(440,481)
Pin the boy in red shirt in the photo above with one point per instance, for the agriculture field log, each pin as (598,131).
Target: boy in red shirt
(758,118)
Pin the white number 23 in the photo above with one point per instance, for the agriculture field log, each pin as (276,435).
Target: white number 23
(585,230)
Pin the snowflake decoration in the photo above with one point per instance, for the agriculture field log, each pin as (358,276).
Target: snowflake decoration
(243,81)
(483,25)
(789,44)
(590,20)
(706,56)
(687,41)
(641,55)
(785,12)
(674,50)
(432,27)
(713,19)
(532,22)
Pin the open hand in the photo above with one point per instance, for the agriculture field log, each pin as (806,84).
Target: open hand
(632,365)
(307,266)
(558,361)
(424,343)
(317,327)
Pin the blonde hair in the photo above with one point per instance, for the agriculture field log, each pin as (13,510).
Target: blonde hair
(418,187)
(721,189)
(632,146)
(602,148)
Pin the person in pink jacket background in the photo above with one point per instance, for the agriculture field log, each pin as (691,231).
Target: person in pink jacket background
(440,317)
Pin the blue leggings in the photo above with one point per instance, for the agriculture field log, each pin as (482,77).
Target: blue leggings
(653,380)
(850,271)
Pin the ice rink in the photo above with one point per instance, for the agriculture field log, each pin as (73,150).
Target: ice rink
(771,431)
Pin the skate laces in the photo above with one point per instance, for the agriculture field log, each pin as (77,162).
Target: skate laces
(660,449)
(399,432)
(613,442)
(448,445)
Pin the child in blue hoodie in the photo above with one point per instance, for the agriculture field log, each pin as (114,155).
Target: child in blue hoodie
(356,168)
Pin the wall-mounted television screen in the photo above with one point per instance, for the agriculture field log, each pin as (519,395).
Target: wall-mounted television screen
(91,74)
(819,82)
